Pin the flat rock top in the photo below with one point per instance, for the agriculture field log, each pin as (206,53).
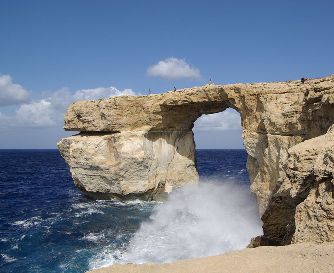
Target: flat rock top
(177,109)
(298,258)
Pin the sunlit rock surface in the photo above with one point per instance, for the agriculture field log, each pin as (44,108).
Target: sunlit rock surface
(297,258)
(302,208)
(130,164)
(143,146)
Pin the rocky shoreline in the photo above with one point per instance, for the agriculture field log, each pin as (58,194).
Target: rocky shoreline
(296,258)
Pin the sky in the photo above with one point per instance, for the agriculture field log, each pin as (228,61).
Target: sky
(56,52)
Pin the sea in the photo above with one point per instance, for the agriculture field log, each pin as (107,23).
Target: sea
(48,225)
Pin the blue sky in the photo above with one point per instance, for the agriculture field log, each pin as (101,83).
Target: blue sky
(56,49)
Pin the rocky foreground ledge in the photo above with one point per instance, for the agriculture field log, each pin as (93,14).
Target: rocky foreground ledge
(298,258)
(143,146)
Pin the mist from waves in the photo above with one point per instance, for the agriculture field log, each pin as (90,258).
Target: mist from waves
(207,219)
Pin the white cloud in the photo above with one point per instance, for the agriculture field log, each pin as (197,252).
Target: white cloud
(11,93)
(101,92)
(227,120)
(173,68)
(49,111)
(36,114)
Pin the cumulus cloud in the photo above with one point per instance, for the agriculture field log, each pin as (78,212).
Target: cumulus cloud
(37,114)
(49,111)
(11,93)
(173,68)
(227,120)
(101,92)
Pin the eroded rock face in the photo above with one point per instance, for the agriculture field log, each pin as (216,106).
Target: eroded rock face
(302,208)
(130,164)
(143,146)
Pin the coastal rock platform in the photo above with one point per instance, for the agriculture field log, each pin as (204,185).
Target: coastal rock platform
(297,258)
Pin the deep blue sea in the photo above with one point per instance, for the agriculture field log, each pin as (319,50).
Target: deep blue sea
(48,225)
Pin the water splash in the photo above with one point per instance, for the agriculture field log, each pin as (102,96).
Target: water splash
(203,220)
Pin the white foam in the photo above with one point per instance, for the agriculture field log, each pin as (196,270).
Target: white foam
(89,208)
(95,207)
(92,204)
(93,237)
(203,220)
(105,258)
(89,211)
(7,258)
(135,202)
(27,223)
(16,246)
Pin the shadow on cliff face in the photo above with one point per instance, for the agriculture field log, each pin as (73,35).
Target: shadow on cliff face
(207,219)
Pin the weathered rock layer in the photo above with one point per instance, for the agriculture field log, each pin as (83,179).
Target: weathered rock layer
(143,147)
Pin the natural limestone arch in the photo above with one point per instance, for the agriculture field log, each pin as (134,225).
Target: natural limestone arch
(143,146)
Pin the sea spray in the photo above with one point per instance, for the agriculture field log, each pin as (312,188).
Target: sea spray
(42,213)
(206,219)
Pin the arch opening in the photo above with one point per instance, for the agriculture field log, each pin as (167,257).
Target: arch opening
(221,159)
(219,143)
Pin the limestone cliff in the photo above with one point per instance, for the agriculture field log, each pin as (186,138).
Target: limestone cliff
(130,164)
(302,207)
(143,146)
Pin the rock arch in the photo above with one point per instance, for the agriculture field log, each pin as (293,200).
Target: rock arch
(143,146)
